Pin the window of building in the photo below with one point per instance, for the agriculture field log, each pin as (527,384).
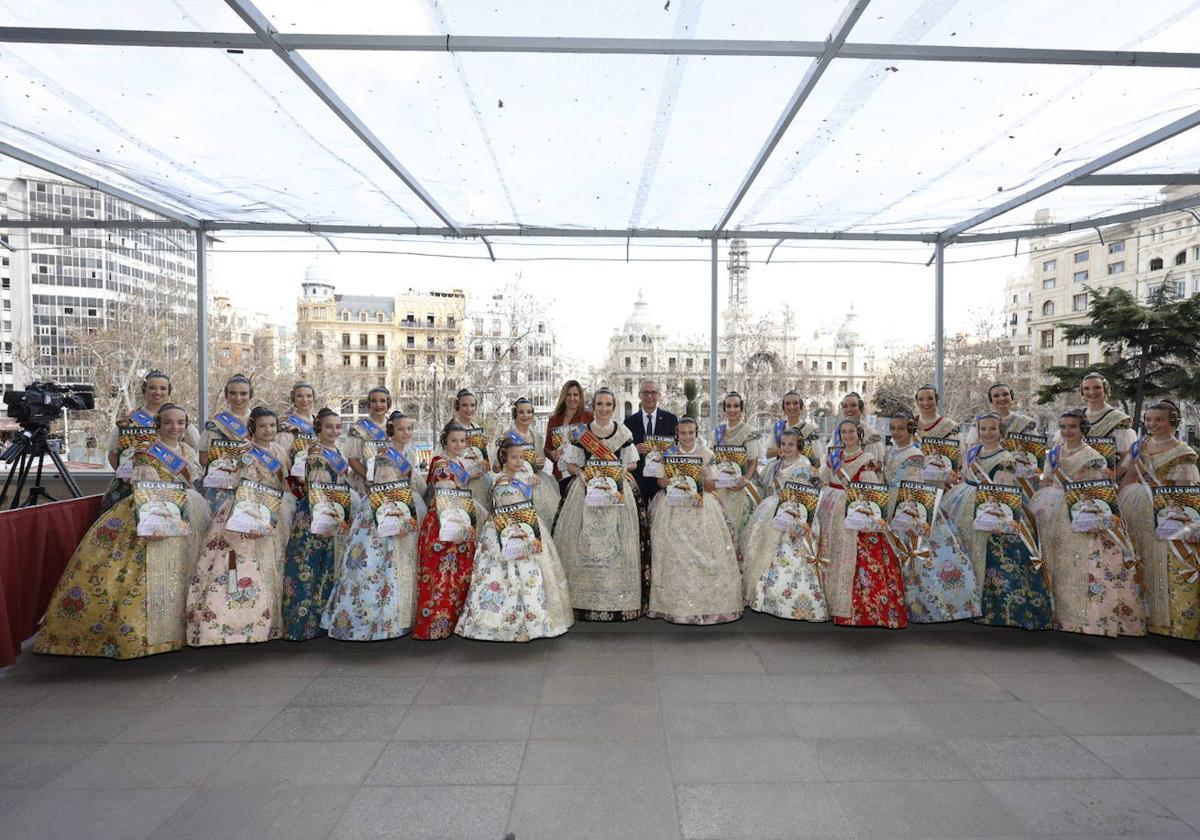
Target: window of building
(541,328)
(410,342)
(512,377)
(1156,264)
(495,351)
(1116,247)
(843,386)
(815,364)
(430,342)
(1181,258)
(362,316)
(644,363)
(478,322)
(345,361)
(303,360)
(1081,256)
(843,366)
(1195,254)
(450,322)
(721,364)
(687,364)
(628,363)
(1049,265)
(495,326)
(478,351)
(380,361)
(362,339)
(347,406)
(362,361)
(345,315)
(430,321)
(1117,267)
(671,363)
(1080,341)
(380,342)
(410,360)
(1079,303)
(450,361)
(1047,338)
(1048,283)
(1080,276)
(1047,309)
(1077,360)
(449,343)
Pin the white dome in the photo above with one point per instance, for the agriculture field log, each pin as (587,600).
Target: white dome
(318,273)
(639,322)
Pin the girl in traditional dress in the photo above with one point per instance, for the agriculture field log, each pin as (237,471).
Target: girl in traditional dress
(1000,397)
(300,421)
(793,418)
(569,411)
(311,564)
(228,424)
(236,590)
(931,423)
(735,436)
(939,580)
(863,582)
(696,578)
(445,550)
(1103,419)
(782,574)
(123,596)
(597,532)
(156,391)
(518,588)
(375,591)
(1170,579)
(1013,586)
(368,431)
(545,492)
(475,456)
(1096,585)
(853,407)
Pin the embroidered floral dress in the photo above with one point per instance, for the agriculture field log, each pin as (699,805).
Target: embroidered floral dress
(519,599)
(375,592)
(545,490)
(696,578)
(1096,584)
(217,496)
(1171,584)
(863,581)
(123,596)
(782,571)
(939,582)
(1014,589)
(236,589)
(311,561)
(443,568)
(739,504)
(120,488)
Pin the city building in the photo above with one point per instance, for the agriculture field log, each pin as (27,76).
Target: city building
(55,285)
(411,343)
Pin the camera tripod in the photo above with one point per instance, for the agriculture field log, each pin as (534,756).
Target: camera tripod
(32,445)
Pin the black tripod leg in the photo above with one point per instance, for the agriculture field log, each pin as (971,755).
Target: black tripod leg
(12,473)
(64,474)
(26,463)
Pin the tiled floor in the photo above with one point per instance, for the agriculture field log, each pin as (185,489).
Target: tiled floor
(763,729)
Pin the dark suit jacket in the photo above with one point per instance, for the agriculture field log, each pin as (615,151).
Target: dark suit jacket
(664,424)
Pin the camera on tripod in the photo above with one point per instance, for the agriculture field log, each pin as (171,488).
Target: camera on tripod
(35,408)
(41,403)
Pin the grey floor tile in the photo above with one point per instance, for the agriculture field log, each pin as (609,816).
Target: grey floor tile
(595,763)
(466,723)
(448,763)
(921,660)
(950,719)
(12,796)
(95,814)
(504,689)
(698,660)
(1177,795)
(594,812)
(333,723)
(832,688)
(1148,756)
(274,664)
(1034,688)
(767,811)
(597,722)
(885,759)
(922,809)
(932,687)
(243,691)
(725,720)
(576,662)
(595,689)
(819,661)
(426,813)
(1190,688)
(198,723)
(1035,659)
(492,660)
(1088,808)
(1166,666)
(25,691)
(857,720)
(580,640)
(34,764)
(292,763)
(717,688)
(1128,717)
(254,813)
(360,691)
(147,766)
(713,639)
(66,724)
(410,662)
(745,759)
(116,692)
(1028,758)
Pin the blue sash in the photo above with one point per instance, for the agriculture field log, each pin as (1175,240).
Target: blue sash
(1135,451)
(973,453)
(266,459)
(780,426)
(142,417)
(369,427)
(1052,457)
(300,425)
(167,458)
(334,458)
(230,426)
(459,472)
(835,458)
(719,433)
(397,457)
(526,489)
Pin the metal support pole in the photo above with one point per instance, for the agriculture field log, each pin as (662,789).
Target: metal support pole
(939,312)
(201,323)
(712,346)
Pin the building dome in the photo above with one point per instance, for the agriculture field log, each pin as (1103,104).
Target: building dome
(317,272)
(639,326)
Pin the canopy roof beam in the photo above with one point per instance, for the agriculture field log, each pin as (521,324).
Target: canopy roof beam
(1083,224)
(816,70)
(1147,180)
(594,46)
(265,32)
(1150,140)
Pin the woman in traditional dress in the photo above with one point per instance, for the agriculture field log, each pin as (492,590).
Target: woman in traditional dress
(597,532)
(375,591)
(229,424)
(864,585)
(794,418)
(518,589)
(1096,586)
(545,492)
(782,573)
(931,423)
(156,392)
(1014,590)
(370,431)
(123,596)
(475,456)
(1001,398)
(696,578)
(311,561)
(236,590)
(1170,580)
(569,411)
(853,407)
(939,580)
(447,541)
(300,421)
(735,441)
(1103,419)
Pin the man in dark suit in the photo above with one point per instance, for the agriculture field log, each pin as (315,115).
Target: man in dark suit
(649,419)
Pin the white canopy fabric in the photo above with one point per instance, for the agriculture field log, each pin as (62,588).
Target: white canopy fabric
(613,138)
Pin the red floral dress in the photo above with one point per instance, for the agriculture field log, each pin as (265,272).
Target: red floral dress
(443,570)
(877,596)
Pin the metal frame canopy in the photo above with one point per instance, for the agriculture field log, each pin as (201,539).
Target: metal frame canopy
(926,121)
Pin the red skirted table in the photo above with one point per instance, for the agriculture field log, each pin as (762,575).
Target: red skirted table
(35,545)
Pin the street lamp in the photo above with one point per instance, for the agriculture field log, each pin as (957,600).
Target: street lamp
(433,378)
